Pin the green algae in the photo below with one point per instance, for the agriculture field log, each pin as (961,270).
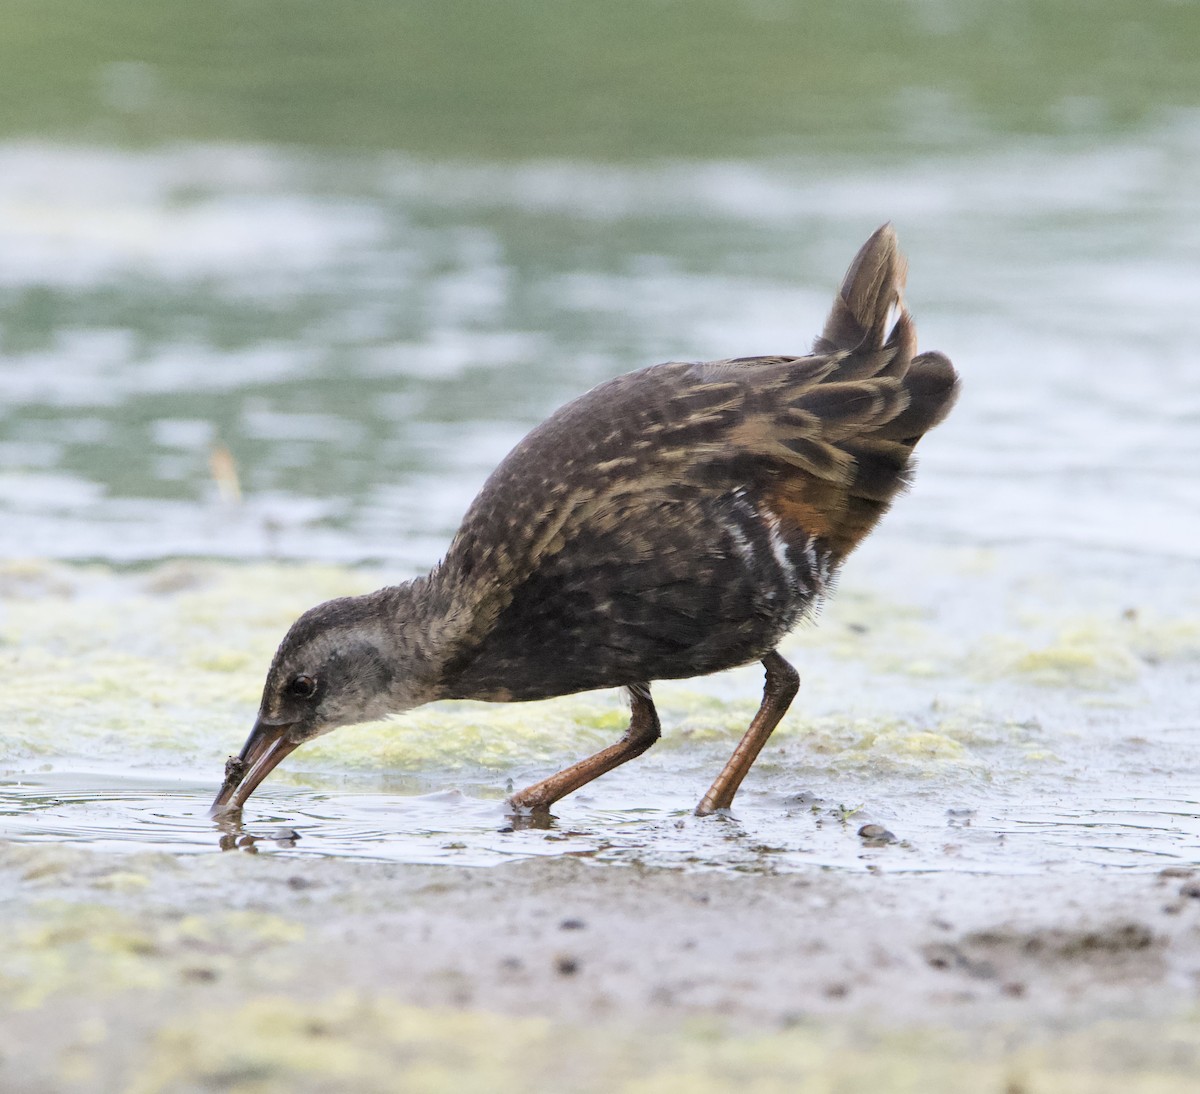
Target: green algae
(350,1042)
(372,1043)
(1092,653)
(1080,657)
(478,736)
(953,743)
(164,665)
(74,948)
(170,662)
(173,662)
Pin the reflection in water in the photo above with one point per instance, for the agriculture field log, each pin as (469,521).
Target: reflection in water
(235,837)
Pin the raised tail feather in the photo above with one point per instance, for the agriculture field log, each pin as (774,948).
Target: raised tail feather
(857,331)
(872,291)
(847,418)
(872,337)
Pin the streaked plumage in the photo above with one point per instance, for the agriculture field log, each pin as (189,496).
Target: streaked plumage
(671,522)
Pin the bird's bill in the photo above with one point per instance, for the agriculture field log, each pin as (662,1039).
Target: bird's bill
(264,748)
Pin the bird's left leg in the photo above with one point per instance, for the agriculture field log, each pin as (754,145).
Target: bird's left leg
(779,690)
(643,731)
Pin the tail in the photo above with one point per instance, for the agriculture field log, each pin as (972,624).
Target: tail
(857,332)
(872,293)
(834,431)
(874,398)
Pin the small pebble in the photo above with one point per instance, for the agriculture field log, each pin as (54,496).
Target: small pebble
(572,925)
(1191,890)
(297,881)
(566,966)
(876,833)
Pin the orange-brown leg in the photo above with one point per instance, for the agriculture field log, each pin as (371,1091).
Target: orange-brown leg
(779,690)
(643,731)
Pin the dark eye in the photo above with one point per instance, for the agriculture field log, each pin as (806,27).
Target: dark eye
(302,687)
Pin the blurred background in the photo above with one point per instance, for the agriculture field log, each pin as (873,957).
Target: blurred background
(287,279)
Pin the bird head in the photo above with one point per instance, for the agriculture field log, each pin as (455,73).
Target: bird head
(341,663)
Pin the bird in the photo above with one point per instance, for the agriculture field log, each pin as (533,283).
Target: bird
(670,523)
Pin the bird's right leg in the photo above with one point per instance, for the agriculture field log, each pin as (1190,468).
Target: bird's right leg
(643,731)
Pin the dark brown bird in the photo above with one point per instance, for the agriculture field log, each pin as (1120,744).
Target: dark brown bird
(670,523)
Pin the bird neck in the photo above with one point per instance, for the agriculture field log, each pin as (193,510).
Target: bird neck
(418,625)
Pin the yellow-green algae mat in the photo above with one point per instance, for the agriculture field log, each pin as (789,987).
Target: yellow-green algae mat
(359,1044)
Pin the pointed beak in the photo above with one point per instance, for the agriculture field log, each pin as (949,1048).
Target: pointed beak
(264,748)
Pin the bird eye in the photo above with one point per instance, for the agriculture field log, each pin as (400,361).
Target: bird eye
(302,687)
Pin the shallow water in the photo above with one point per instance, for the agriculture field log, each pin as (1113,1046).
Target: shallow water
(1004,734)
(771,833)
(367,322)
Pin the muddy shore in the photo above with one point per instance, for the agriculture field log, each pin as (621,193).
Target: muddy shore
(244,972)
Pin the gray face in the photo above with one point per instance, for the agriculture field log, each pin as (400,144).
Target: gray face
(335,667)
(342,662)
(351,660)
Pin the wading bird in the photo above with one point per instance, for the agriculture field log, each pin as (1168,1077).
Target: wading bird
(671,522)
